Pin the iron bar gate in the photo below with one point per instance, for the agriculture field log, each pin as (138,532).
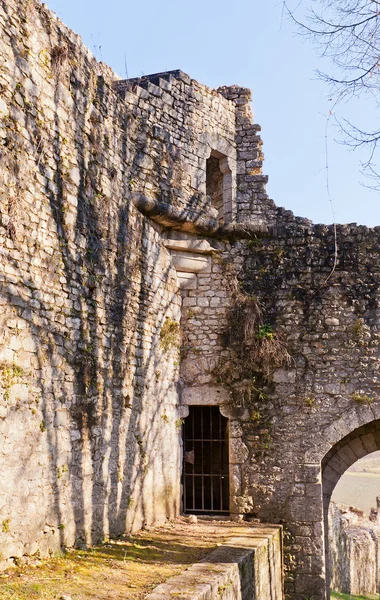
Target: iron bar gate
(206,463)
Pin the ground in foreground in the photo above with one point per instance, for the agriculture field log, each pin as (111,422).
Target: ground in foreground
(127,568)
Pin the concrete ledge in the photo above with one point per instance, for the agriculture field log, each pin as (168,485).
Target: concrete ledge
(244,568)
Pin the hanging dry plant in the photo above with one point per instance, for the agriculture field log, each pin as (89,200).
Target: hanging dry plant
(255,348)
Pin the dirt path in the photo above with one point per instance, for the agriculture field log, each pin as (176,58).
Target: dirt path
(126,568)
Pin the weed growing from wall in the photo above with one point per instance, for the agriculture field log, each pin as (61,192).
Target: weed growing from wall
(169,335)
(255,348)
(5,526)
(9,375)
(262,346)
(362,398)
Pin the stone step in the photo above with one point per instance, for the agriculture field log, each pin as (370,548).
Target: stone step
(154,84)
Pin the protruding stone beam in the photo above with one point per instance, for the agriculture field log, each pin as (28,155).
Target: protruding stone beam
(170,216)
(188,244)
(190,221)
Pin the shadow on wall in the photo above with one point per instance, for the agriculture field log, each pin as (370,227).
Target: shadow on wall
(96,314)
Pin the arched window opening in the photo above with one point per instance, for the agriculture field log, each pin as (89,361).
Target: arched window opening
(214,185)
(206,461)
(351,490)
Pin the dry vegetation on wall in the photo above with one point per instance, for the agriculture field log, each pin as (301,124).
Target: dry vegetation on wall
(255,348)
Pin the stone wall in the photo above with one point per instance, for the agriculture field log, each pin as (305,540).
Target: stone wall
(354,551)
(329,323)
(90,300)
(289,414)
(106,231)
(88,423)
(244,568)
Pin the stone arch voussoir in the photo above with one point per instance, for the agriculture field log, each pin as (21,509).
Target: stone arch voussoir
(354,444)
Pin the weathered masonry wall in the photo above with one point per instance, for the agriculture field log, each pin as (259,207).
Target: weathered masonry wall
(295,425)
(90,301)
(328,390)
(144,269)
(88,423)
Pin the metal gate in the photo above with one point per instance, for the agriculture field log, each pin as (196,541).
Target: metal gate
(206,465)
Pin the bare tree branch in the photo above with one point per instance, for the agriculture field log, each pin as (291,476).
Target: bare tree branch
(348,33)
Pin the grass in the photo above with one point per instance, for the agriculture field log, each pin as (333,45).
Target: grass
(133,565)
(122,569)
(338,596)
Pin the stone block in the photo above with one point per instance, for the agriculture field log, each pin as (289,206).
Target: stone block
(307,512)
(187,262)
(187,281)
(206,395)
(238,451)
(358,448)
(282,376)
(332,321)
(18,392)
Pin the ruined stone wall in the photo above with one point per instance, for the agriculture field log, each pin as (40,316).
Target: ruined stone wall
(329,324)
(90,305)
(288,412)
(95,174)
(87,422)
(354,551)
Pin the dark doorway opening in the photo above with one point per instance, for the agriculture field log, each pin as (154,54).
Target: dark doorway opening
(206,464)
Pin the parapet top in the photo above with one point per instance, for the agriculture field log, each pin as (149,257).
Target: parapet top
(231,92)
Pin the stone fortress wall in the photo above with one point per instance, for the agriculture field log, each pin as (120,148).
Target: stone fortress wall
(86,286)
(128,293)
(90,302)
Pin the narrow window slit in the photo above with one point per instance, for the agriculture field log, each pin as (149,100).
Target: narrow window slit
(214,186)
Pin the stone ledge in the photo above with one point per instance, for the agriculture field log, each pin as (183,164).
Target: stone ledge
(247,568)
(192,245)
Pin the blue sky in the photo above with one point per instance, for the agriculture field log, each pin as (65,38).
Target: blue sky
(249,43)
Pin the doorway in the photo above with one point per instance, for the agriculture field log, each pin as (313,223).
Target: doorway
(205,461)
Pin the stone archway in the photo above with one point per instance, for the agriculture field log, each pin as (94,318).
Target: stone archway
(359,443)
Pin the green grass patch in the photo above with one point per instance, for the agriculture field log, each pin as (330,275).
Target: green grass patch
(339,596)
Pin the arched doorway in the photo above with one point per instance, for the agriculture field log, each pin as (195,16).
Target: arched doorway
(359,443)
